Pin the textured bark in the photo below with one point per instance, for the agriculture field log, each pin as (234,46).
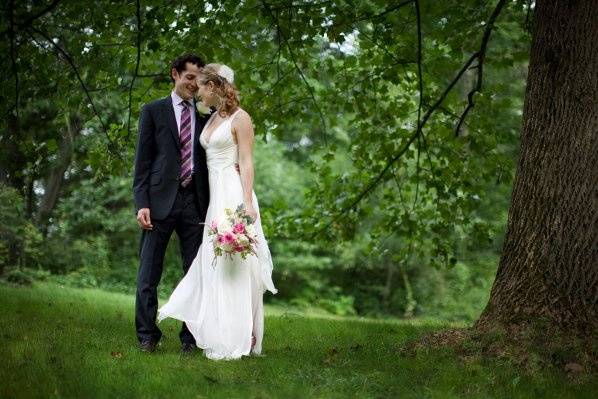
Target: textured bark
(549,266)
(54,180)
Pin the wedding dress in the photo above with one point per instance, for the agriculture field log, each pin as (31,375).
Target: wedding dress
(221,302)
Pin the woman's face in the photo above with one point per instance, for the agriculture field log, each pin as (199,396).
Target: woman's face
(206,93)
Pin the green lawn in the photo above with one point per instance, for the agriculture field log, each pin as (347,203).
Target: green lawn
(80,343)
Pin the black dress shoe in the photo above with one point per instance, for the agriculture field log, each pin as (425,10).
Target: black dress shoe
(187,348)
(147,346)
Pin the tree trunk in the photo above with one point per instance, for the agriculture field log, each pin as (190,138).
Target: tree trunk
(548,271)
(12,160)
(54,180)
(387,291)
(410,302)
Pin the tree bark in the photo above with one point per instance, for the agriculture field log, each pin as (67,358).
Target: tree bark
(54,180)
(548,270)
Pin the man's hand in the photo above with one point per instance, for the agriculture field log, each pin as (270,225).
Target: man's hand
(143,218)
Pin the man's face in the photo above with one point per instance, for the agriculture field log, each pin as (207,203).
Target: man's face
(185,84)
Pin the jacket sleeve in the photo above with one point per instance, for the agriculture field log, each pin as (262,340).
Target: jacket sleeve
(144,155)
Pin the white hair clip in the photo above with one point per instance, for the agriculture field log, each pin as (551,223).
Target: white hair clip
(225,72)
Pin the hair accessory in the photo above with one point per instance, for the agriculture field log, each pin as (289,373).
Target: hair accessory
(225,72)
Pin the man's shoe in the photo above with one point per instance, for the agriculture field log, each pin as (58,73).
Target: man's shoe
(147,346)
(187,348)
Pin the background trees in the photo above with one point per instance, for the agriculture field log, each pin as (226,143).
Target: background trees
(386,190)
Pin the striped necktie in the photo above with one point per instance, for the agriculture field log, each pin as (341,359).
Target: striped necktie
(185,135)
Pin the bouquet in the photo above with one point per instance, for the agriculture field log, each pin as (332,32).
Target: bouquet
(233,232)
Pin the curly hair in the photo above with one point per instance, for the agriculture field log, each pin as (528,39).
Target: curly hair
(225,90)
(180,63)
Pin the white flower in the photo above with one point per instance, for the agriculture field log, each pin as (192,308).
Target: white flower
(202,108)
(250,229)
(243,240)
(224,226)
(227,247)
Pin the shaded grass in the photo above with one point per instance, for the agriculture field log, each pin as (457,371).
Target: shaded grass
(66,342)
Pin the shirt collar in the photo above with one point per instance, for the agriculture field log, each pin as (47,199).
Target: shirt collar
(177,100)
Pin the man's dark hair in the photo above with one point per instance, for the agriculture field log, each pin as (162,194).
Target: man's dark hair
(180,63)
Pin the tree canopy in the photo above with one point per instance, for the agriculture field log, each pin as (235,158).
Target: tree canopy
(395,125)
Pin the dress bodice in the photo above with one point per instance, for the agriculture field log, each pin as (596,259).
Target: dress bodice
(221,150)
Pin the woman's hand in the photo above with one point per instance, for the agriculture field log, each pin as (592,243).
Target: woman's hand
(242,128)
(250,210)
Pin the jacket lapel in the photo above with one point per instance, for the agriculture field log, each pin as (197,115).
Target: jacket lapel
(174,130)
(200,122)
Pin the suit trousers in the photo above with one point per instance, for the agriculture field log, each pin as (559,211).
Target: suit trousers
(184,218)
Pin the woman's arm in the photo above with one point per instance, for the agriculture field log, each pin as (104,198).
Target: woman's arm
(242,128)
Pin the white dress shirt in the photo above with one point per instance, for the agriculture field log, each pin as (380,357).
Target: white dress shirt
(178,110)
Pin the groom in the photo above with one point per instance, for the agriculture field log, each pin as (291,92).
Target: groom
(170,187)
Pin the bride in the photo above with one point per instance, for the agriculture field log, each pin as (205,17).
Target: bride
(221,302)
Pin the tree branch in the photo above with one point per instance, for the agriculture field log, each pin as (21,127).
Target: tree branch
(375,16)
(292,55)
(27,22)
(286,5)
(66,56)
(374,181)
(138,14)
(420,80)
(380,176)
(13,57)
(481,54)
(383,13)
(280,79)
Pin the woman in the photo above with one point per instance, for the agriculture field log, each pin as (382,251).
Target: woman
(220,299)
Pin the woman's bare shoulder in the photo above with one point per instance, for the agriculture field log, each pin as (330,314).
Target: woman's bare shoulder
(242,116)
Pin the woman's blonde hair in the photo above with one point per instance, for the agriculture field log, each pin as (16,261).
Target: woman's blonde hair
(225,90)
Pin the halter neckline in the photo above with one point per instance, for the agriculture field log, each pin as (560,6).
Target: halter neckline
(228,118)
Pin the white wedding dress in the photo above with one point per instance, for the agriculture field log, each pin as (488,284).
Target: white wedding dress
(222,303)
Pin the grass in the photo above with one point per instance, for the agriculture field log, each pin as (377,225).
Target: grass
(80,343)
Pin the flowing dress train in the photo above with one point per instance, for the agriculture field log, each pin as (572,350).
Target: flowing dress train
(222,303)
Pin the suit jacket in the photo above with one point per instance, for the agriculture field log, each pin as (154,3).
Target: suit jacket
(158,160)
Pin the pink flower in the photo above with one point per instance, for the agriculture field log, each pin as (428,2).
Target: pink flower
(220,239)
(239,248)
(239,228)
(214,225)
(228,238)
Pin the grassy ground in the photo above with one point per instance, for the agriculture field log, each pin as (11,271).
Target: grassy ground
(80,343)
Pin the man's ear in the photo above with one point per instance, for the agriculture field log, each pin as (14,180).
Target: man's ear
(174,73)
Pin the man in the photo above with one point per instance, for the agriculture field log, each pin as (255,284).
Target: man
(171,192)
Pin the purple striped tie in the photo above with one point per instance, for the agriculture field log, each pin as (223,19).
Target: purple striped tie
(185,135)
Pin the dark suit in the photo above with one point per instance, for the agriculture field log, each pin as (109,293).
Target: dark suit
(156,185)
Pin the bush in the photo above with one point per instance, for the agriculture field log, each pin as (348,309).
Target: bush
(24,276)
(20,241)
(17,276)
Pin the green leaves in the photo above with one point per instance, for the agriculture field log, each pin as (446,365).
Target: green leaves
(51,145)
(333,91)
